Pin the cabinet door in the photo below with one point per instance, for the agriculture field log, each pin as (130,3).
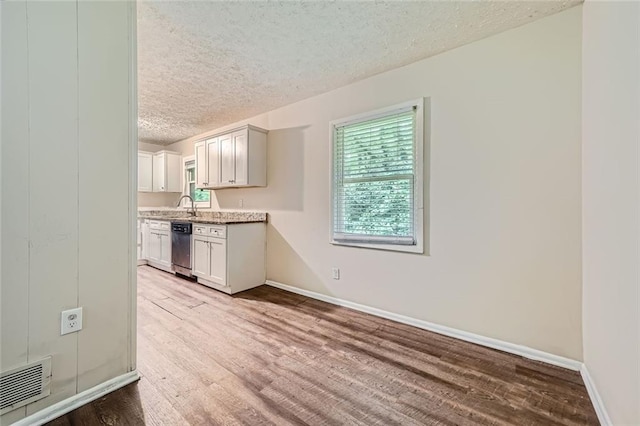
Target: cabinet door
(139,249)
(213,163)
(201,164)
(173,172)
(154,246)
(241,159)
(200,257)
(145,175)
(218,261)
(145,239)
(158,173)
(227,160)
(139,239)
(165,249)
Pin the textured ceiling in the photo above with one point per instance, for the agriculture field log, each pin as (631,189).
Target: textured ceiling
(203,65)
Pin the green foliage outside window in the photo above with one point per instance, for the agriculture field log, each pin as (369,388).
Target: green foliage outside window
(190,176)
(374,177)
(198,194)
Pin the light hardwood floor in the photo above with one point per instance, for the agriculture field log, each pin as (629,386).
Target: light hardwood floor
(266,356)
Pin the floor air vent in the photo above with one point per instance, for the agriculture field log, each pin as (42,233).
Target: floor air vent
(23,385)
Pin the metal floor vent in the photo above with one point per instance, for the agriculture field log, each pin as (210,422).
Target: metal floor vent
(23,385)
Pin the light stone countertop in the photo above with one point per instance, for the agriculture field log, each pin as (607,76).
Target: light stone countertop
(210,217)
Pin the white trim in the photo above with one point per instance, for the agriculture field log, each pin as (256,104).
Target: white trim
(78,400)
(489,342)
(185,204)
(596,400)
(372,115)
(133,183)
(407,248)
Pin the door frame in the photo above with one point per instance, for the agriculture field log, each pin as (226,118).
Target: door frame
(133,184)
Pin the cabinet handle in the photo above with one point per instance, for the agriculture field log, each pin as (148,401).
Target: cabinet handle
(232,181)
(205,183)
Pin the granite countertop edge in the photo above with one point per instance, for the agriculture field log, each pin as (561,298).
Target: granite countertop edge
(224,218)
(203,221)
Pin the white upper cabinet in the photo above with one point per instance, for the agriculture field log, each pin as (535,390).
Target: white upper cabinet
(213,162)
(227,160)
(201,164)
(167,172)
(207,163)
(241,157)
(145,171)
(159,174)
(233,159)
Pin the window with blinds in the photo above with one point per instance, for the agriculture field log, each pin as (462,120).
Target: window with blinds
(375,179)
(201,197)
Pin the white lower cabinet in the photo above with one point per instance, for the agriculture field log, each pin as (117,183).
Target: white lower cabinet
(229,258)
(144,234)
(140,239)
(210,259)
(158,246)
(154,246)
(200,256)
(218,260)
(143,241)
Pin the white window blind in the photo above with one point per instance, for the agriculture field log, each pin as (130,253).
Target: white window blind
(201,197)
(374,178)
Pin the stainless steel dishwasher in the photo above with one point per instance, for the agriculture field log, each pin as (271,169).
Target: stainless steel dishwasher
(181,248)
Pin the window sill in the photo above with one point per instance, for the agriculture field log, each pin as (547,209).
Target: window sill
(416,249)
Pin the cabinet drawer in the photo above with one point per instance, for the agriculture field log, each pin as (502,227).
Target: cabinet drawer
(200,230)
(160,225)
(218,231)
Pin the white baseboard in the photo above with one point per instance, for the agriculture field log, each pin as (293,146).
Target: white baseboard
(596,400)
(63,407)
(489,342)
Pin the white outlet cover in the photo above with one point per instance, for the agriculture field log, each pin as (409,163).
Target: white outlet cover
(336,273)
(70,321)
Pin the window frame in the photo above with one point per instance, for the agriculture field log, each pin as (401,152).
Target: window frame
(185,203)
(418,187)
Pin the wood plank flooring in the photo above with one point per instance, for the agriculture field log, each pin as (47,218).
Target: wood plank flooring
(268,357)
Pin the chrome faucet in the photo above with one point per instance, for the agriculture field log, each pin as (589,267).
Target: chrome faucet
(192,212)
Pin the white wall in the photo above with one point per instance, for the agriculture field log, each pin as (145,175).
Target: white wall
(503,186)
(149,147)
(611,198)
(67,233)
(158,199)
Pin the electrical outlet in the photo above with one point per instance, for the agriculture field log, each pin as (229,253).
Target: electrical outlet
(71,321)
(336,273)
(240,202)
